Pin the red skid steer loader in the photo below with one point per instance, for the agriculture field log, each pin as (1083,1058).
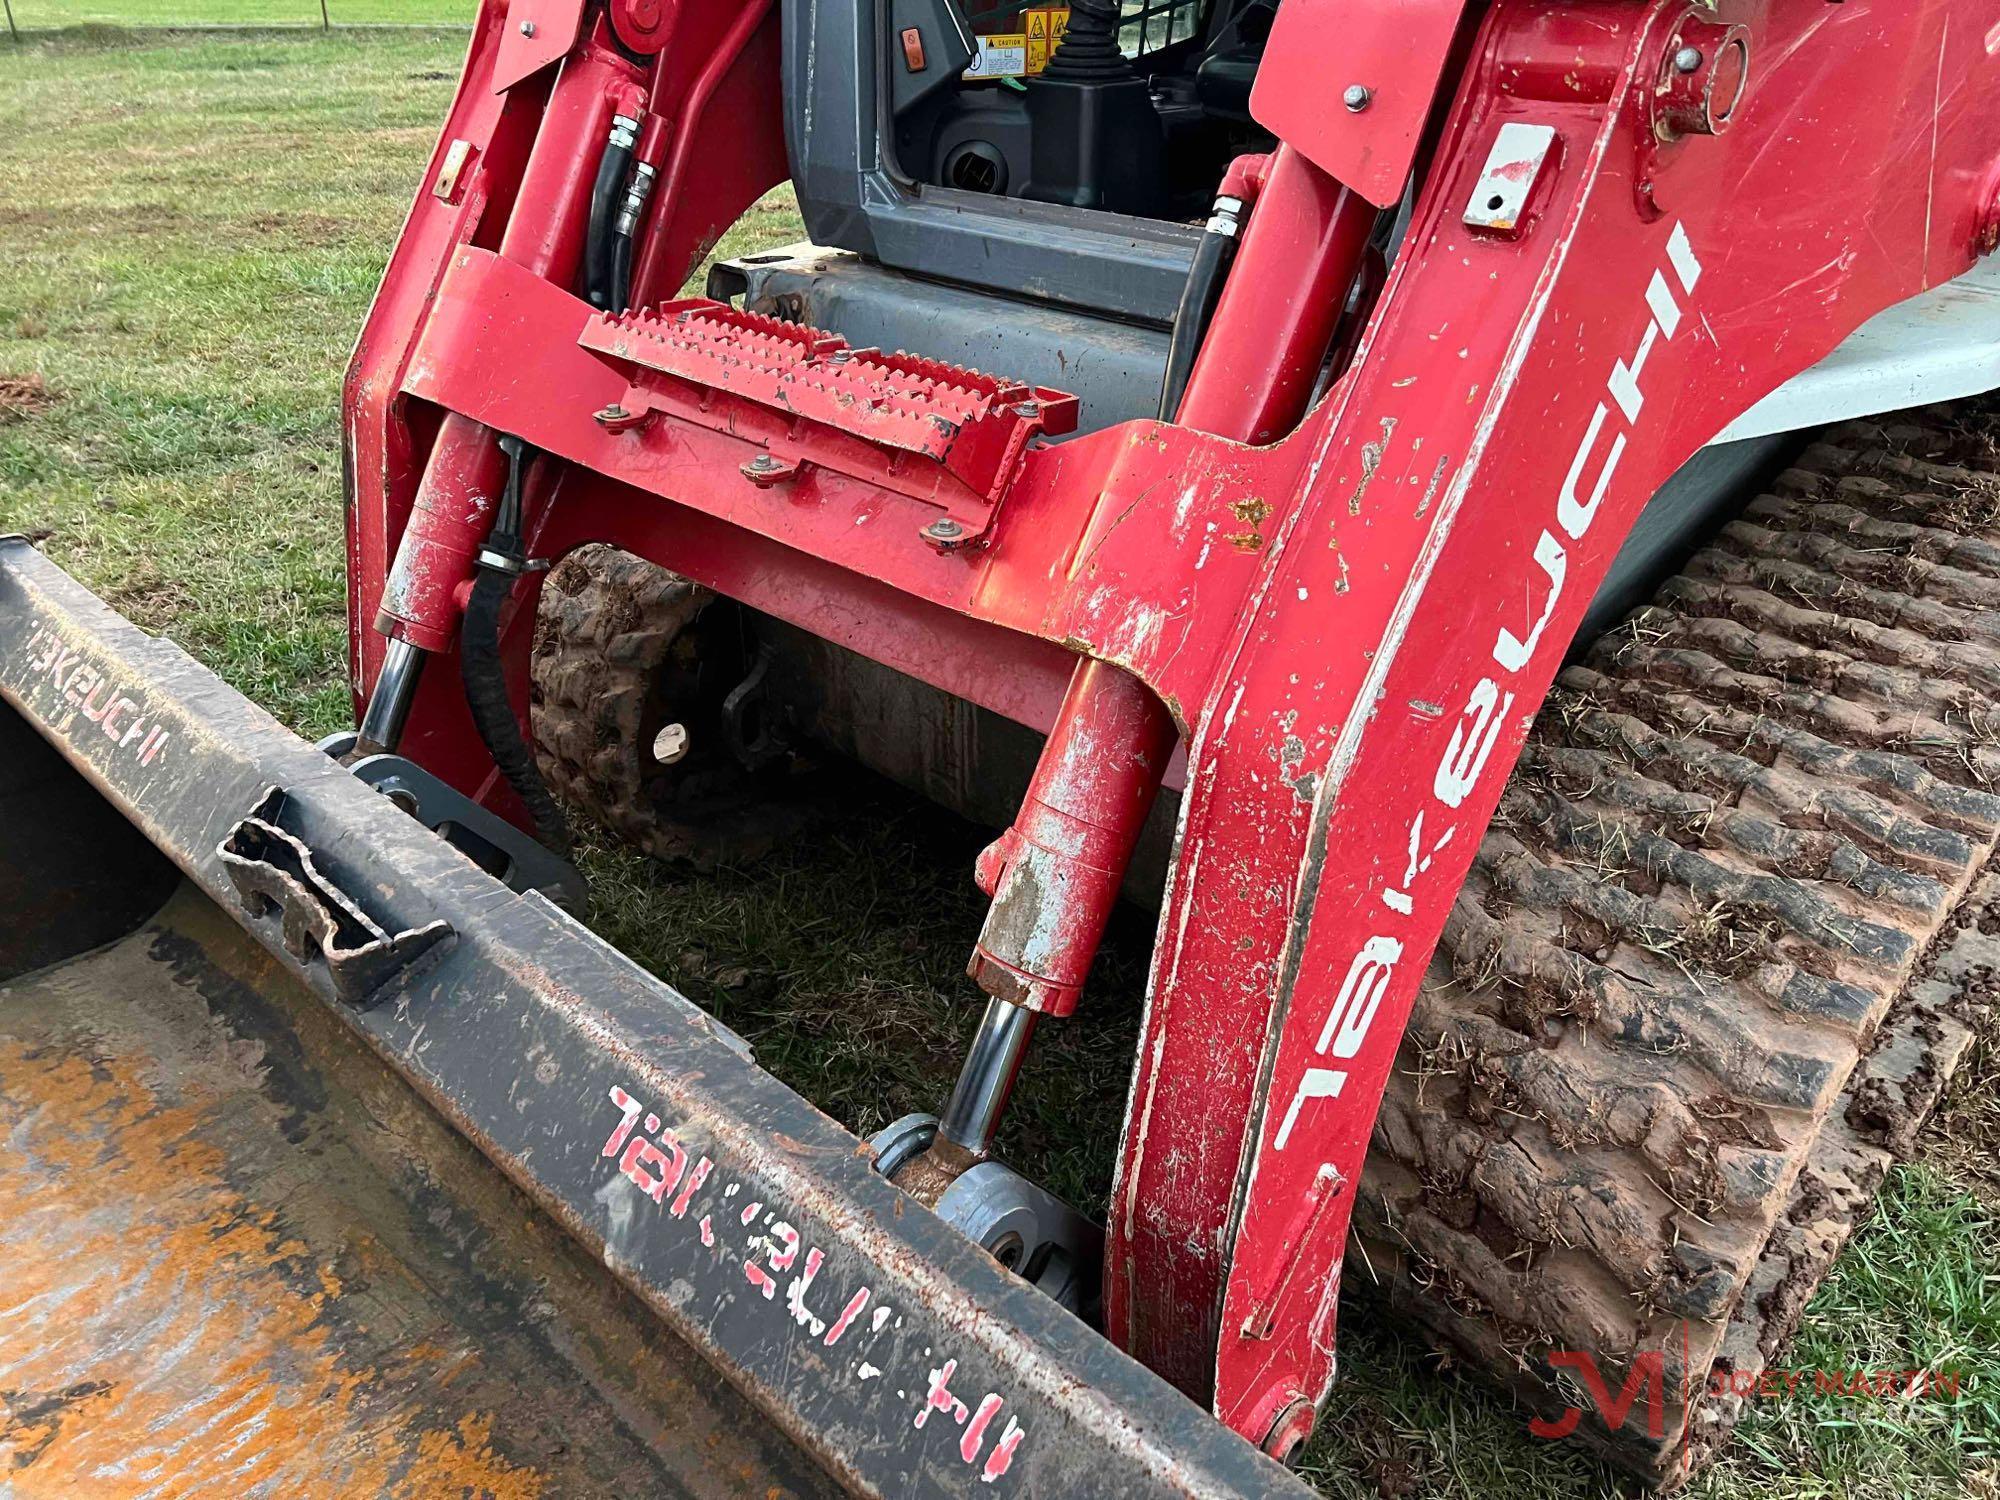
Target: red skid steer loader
(1482,514)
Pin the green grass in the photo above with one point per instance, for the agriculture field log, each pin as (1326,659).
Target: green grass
(47,15)
(190,229)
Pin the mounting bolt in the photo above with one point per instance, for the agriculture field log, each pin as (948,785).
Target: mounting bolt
(1704,75)
(767,470)
(1028,410)
(527,28)
(615,418)
(670,745)
(944,531)
(1357,97)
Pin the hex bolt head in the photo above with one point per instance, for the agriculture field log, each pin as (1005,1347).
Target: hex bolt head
(527,28)
(944,530)
(1357,97)
(1687,59)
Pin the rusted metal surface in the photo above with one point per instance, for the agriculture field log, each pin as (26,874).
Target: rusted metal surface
(868,1332)
(237,1255)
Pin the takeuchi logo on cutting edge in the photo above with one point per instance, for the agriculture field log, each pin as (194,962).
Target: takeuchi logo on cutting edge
(117,710)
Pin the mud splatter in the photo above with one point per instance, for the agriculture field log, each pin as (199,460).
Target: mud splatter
(24,396)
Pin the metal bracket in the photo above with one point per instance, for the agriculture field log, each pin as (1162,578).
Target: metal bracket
(487,839)
(274,872)
(1022,1225)
(1500,198)
(949,436)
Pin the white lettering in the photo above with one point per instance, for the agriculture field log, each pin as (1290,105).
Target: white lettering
(1367,978)
(1510,651)
(1319,1083)
(1576,518)
(1472,741)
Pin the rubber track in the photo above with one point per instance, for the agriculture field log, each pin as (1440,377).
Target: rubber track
(1700,987)
(614,651)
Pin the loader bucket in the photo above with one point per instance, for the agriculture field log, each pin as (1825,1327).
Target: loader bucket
(334,1166)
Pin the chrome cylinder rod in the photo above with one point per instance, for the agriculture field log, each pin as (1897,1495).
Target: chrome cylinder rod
(972,1114)
(395,688)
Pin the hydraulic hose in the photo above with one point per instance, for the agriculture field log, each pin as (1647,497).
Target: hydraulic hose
(625,230)
(621,272)
(605,194)
(500,564)
(1206,274)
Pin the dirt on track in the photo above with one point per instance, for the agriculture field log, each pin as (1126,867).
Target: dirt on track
(1714,964)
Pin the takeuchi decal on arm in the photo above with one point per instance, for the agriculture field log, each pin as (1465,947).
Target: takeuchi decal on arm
(1468,759)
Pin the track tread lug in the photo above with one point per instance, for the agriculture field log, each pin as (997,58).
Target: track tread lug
(1698,989)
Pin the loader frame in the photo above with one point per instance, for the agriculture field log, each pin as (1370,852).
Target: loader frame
(1608,261)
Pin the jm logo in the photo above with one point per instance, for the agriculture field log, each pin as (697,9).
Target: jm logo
(1646,1380)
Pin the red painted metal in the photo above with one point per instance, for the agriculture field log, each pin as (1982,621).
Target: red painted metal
(1114,544)
(1244,178)
(1054,875)
(949,436)
(1393,53)
(1280,305)
(537,33)
(1352,625)
(717,85)
(645,26)
(1514,405)
(461,485)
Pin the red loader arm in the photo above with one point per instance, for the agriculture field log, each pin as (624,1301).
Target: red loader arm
(1525,387)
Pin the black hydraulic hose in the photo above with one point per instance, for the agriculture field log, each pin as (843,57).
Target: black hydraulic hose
(605,194)
(625,231)
(621,272)
(500,564)
(1206,275)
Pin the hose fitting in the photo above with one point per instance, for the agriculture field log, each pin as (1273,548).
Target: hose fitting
(637,192)
(611,168)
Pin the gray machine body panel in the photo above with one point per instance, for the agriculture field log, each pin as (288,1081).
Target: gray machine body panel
(836,52)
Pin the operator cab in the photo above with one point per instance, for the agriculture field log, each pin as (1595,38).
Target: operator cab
(950,152)
(1135,113)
